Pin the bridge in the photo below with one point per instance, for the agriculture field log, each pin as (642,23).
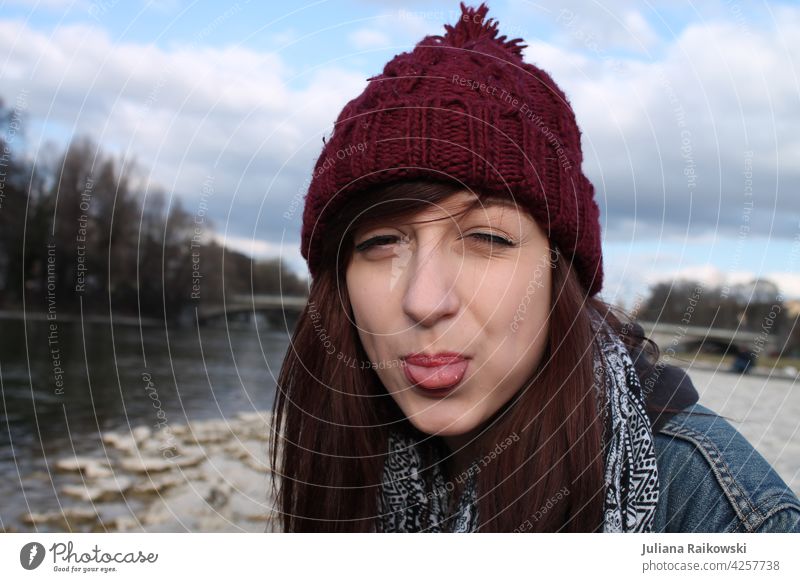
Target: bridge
(687,338)
(282,311)
(279,310)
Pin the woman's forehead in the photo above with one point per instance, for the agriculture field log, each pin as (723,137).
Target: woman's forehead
(457,206)
(465,199)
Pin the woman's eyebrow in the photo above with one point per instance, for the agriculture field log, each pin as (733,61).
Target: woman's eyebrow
(496,203)
(501,202)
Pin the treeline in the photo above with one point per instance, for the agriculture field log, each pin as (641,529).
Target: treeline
(82,229)
(757,307)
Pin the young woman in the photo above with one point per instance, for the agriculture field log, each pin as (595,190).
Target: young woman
(453,369)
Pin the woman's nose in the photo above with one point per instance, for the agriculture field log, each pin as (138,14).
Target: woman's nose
(431,293)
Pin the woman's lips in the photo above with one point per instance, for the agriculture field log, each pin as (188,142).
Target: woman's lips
(435,372)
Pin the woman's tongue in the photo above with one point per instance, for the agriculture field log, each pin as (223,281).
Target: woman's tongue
(437,376)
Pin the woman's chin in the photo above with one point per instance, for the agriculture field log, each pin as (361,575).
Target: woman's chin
(448,423)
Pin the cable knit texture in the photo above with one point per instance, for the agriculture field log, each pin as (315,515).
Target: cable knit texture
(463,106)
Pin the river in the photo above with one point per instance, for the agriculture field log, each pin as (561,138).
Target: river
(63,387)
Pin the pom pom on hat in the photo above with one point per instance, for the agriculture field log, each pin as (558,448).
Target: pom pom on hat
(472,29)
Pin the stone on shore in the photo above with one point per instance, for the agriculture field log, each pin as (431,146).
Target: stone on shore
(209,475)
(89,467)
(70,518)
(104,489)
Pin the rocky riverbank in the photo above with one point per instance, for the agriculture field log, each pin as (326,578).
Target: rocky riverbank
(205,476)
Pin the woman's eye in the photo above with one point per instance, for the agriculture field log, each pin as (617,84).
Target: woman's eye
(492,238)
(382,240)
(375,241)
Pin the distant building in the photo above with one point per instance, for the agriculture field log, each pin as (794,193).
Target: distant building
(792,307)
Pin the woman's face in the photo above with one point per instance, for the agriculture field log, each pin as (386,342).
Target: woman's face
(453,285)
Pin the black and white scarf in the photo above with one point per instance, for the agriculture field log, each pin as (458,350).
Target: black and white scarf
(410,503)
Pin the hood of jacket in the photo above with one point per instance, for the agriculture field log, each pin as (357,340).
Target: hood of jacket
(667,388)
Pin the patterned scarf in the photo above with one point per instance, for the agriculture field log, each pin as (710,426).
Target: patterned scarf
(408,502)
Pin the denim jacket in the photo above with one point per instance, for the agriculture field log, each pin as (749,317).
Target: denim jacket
(711,478)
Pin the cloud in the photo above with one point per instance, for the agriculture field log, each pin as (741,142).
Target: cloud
(611,24)
(367,38)
(50,4)
(264,249)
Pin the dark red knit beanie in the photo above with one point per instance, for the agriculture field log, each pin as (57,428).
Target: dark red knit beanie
(464,107)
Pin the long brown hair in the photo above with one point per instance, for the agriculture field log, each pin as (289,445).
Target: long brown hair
(332,414)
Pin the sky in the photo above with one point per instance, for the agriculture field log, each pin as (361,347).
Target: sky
(689,112)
